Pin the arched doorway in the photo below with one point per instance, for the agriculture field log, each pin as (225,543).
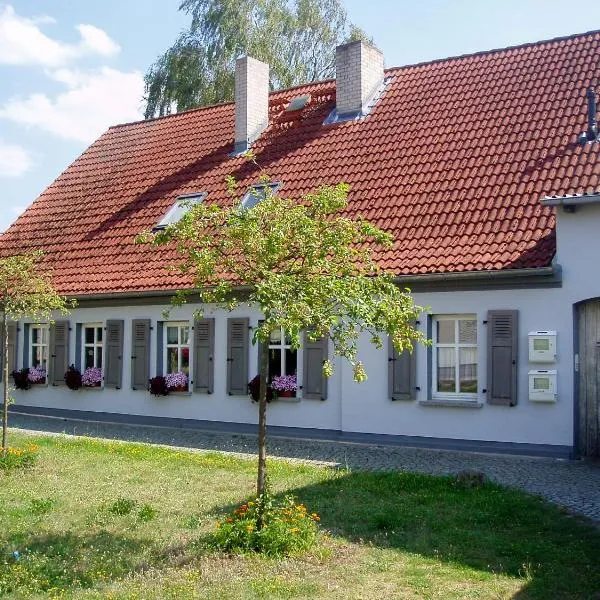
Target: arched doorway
(588,365)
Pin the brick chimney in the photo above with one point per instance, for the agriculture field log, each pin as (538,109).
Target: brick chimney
(251,101)
(358,75)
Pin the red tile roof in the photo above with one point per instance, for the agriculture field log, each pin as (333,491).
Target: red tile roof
(452,161)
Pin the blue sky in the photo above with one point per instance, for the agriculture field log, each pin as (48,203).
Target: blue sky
(70,69)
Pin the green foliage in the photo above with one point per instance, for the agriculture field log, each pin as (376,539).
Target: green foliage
(41,506)
(18,458)
(287,527)
(147,513)
(122,506)
(296,37)
(26,288)
(25,291)
(307,266)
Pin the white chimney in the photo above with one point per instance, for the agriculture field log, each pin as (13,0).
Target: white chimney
(358,75)
(251,101)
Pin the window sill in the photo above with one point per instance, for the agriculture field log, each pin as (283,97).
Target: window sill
(179,394)
(292,399)
(447,403)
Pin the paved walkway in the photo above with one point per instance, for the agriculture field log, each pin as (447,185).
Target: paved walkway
(572,484)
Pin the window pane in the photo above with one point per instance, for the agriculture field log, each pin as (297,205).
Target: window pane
(36,359)
(275,337)
(98,334)
(468,370)
(274,363)
(445,332)
(185,360)
(288,338)
(185,335)
(99,357)
(172,335)
(291,362)
(446,370)
(44,334)
(89,357)
(89,335)
(172,363)
(43,357)
(35,335)
(467,331)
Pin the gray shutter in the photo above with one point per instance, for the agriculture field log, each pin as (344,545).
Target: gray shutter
(502,342)
(26,329)
(140,354)
(314,354)
(113,368)
(59,352)
(401,373)
(204,348)
(237,356)
(78,345)
(159,347)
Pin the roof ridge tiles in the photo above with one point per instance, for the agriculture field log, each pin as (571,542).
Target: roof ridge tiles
(389,70)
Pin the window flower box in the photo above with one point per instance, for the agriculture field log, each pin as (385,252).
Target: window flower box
(92,377)
(285,386)
(177,382)
(36,375)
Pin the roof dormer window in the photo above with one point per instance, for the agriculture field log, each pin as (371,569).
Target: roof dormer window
(182,205)
(258,193)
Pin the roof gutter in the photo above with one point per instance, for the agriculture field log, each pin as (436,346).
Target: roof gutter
(574,200)
(506,274)
(469,280)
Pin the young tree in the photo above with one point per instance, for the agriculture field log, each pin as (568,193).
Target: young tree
(296,37)
(308,268)
(25,291)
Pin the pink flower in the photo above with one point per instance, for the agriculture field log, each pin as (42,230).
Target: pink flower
(284,383)
(91,377)
(36,374)
(175,380)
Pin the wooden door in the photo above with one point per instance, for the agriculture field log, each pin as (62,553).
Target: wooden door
(589,379)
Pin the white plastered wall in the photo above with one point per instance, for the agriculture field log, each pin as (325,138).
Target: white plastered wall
(366,407)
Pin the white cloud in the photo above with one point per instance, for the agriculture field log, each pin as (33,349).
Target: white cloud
(92,102)
(14,160)
(22,42)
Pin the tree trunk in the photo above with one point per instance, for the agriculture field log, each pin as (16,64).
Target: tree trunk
(262,423)
(4,383)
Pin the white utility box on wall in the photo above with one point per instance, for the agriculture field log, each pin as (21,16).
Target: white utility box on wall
(542,346)
(542,386)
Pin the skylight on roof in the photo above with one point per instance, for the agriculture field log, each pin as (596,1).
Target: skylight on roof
(257,193)
(182,205)
(298,103)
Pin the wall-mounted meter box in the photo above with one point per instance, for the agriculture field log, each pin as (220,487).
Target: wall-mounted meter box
(542,346)
(542,386)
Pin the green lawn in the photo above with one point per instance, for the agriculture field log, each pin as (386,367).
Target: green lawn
(390,535)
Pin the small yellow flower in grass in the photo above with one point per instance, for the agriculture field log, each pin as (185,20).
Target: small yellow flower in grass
(249,528)
(315,516)
(32,447)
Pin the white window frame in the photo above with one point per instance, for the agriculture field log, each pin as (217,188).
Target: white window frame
(43,327)
(178,345)
(98,346)
(444,395)
(283,347)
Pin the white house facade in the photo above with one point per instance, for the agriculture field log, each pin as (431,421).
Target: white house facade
(477,167)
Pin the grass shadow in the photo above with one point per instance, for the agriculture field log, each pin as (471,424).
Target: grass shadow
(44,562)
(489,529)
